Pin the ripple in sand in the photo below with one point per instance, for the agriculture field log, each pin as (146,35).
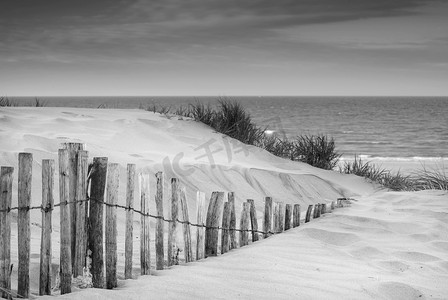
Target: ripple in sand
(441,245)
(363,221)
(407,210)
(397,227)
(75,115)
(39,142)
(411,201)
(421,237)
(415,256)
(443,265)
(367,252)
(398,290)
(377,209)
(156,123)
(393,265)
(331,237)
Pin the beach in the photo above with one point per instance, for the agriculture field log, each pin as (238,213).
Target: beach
(384,245)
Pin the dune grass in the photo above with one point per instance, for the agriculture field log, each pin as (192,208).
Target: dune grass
(230,118)
(423,179)
(5,101)
(426,178)
(202,113)
(363,169)
(40,103)
(316,150)
(277,146)
(397,181)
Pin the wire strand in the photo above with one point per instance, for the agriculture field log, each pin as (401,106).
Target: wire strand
(50,208)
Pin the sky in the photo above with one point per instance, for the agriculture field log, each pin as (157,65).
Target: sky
(224,47)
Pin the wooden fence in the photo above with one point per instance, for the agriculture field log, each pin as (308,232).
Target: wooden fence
(85,190)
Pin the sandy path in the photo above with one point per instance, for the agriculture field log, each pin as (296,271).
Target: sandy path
(387,246)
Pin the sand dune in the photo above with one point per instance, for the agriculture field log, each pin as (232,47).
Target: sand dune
(386,245)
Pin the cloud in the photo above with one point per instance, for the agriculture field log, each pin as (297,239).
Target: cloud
(188,22)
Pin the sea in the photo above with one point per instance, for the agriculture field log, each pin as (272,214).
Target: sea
(401,129)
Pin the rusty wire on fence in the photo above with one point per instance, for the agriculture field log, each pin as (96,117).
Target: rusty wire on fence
(48,208)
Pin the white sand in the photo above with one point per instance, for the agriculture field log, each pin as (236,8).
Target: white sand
(387,245)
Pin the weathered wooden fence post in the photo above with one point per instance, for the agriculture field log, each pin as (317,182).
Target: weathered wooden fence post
(296,216)
(200,231)
(244,224)
(267,224)
(172,235)
(145,258)
(160,256)
(232,231)
(308,213)
(129,247)
(23,222)
(111,225)
(47,208)
(316,210)
(276,217)
(188,253)
(288,214)
(97,187)
(6,178)
(65,254)
(225,234)
(73,149)
(253,220)
(81,218)
(281,219)
(212,223)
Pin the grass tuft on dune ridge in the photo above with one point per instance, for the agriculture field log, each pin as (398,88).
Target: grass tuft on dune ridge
(231,119)
(436,179)
(424,179)
(5,101)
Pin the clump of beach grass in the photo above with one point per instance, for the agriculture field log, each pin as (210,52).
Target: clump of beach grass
(363,168)
(424,179)
(397,181)
(277,146)
(40,103)
(434,179)
(230,118)
(202,113)
(157,108)
(5,101)
(316,150)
